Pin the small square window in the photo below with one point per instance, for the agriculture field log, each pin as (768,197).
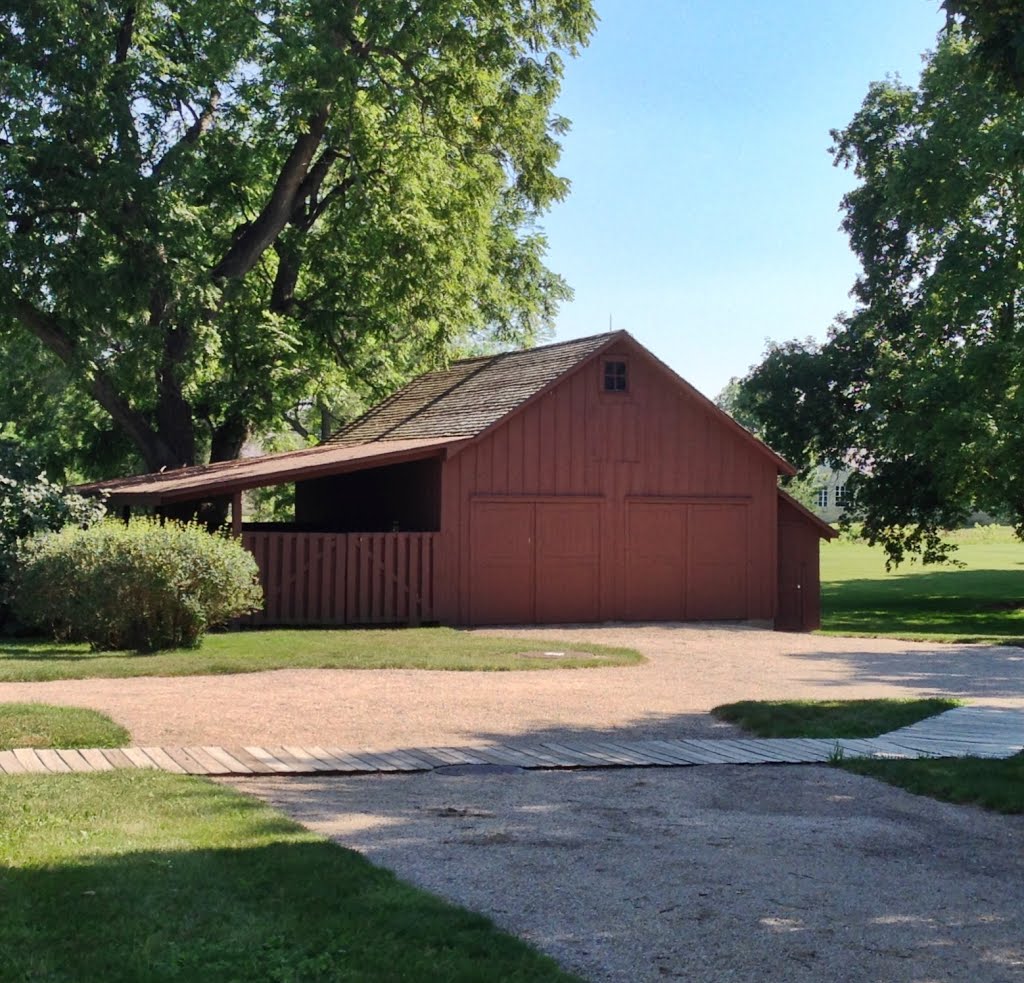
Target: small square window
(822,498)
(615,380)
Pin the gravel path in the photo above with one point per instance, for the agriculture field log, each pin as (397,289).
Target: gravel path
(779,873)
(691,669)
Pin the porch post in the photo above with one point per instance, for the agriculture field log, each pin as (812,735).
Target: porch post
(236,514)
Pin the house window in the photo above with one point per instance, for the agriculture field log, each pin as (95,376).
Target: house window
(822,498)
(615,380)
(842,498)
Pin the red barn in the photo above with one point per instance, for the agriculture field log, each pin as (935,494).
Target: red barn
(577,482)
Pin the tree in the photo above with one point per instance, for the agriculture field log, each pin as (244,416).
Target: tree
(216,212)
(998,28)
(730,401)
(919,387)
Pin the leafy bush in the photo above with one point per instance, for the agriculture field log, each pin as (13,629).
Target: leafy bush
(141,586)
(30,503)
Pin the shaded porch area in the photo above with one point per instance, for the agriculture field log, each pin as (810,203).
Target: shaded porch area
(361,545)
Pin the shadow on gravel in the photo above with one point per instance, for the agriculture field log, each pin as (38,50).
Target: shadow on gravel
(991,672)
(655,726)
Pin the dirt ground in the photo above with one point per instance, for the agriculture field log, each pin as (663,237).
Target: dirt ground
(691,668)
(769,873)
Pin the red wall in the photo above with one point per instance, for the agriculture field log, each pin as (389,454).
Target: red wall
(799,607)
(639,457)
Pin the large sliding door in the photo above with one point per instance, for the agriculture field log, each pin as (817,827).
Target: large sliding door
(535,561)
(685,561)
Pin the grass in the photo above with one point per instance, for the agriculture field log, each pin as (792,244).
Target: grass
(143,875)
(981,602)
(26,660)
(996,785)
(42,726)
(828,718)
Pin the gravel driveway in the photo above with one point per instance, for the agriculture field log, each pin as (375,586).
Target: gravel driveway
(771,873)
(691,669)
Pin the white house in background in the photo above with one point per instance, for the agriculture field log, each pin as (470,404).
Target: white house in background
(830,498)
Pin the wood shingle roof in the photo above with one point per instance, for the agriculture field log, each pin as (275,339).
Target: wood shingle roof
(469,396)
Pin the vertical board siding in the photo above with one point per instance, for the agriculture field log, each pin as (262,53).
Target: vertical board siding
(343,578)
(655,441)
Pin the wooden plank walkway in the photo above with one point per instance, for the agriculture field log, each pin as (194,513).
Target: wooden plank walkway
(963,732)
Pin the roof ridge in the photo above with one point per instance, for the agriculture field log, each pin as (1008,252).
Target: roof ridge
(535,348)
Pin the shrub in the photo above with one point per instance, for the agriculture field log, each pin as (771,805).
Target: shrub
(30,503)
(141,586)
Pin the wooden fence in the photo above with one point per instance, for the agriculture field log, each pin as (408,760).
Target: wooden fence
(312,578)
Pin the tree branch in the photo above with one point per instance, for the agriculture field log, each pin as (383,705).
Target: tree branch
(155,452)
(124,36)
(190,137)
(254,240)
(293,421)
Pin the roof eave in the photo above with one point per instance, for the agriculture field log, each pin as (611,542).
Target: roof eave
(824,530)
(227,486)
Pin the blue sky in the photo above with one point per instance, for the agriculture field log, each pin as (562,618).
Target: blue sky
(704,213)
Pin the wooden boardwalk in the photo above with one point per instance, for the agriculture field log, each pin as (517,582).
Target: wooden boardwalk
(965,731)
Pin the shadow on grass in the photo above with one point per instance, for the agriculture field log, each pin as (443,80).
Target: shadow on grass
(979,603)
(37,648)
(297,911)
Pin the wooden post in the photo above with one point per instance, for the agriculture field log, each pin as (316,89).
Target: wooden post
(236,514)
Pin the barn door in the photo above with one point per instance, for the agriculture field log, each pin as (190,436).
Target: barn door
(567,559)
(717,563)
(534,562)
(791,612)
(655,562)
(501,564)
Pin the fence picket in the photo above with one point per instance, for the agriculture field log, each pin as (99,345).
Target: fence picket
(338,578)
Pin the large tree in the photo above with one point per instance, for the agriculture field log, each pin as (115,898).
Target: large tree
(998,28)
(216,211)
(922,385)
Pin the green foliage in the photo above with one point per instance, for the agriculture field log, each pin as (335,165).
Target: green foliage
(177,879)
(730,399)
(30,503)
(142,586)
(998,28)
(219,215)
(42,726)
(829,718)
(919,387)
(431,649)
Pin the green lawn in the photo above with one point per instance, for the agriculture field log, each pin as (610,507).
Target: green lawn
(26,660)
(40,725)
(128,876)
(981,602)
(997,785)
(828,718)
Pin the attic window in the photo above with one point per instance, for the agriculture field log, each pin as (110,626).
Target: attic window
(615,379)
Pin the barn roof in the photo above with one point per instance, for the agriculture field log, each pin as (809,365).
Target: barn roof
(470,395)
(227,477)
(821,527)
(435,411)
